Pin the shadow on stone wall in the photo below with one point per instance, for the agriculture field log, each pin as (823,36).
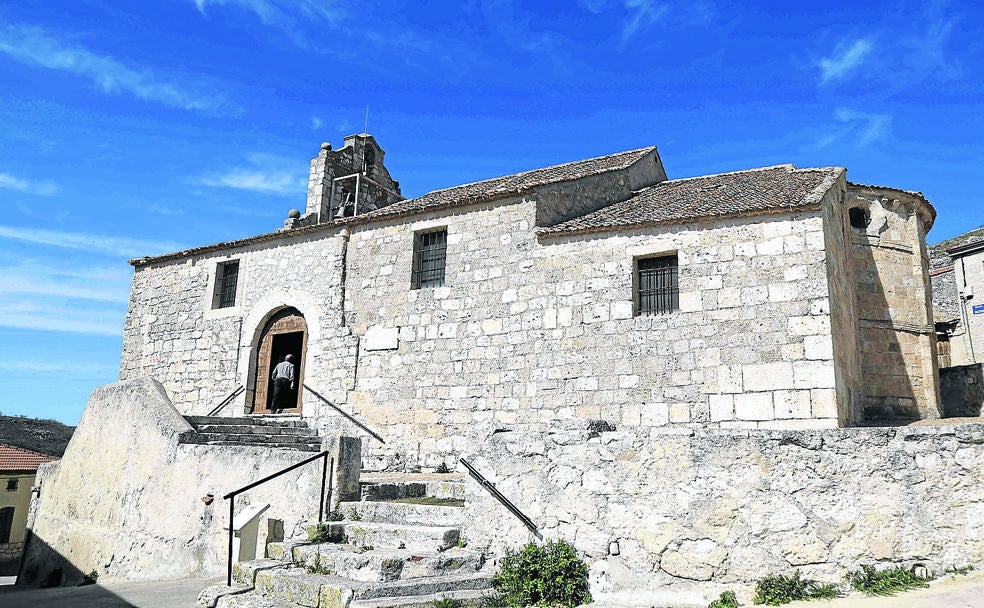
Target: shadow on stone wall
(889,391)
(962,389)
(46,568)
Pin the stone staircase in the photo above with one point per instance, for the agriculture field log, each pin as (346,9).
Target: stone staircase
(269,432)
(399,547)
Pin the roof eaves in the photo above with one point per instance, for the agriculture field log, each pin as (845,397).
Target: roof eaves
(553,232)
(961,250)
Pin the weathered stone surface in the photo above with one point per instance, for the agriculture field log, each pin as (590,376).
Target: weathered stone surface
(712,507)
(126,499)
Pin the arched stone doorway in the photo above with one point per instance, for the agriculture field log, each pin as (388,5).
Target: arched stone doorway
(285,333)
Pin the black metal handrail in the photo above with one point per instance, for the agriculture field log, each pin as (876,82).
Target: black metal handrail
(502,499)
(231,497)
(226,401)
(351,419)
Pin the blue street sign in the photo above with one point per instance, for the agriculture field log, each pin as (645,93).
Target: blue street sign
(979,309)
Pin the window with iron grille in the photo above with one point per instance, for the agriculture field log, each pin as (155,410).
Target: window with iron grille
(12,484)
(429,252)
(657,287)
(226,278)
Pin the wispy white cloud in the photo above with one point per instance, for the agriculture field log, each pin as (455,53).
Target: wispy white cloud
(854,127)
(845,59)
(642,15)
(289,16)
(43,316)
(67,367)
(113,245)
(266,174)
(281,12)
(9,182)
(316,123)
(34,46)
(98,284)
(868,127)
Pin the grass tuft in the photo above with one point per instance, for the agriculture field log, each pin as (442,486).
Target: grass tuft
(885,582)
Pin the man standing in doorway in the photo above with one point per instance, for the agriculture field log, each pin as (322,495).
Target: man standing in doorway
(283,385)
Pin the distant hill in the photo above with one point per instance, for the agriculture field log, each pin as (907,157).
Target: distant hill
(46,436)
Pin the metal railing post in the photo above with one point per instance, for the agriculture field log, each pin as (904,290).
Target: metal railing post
(324,477)
(232,504)
(231,497)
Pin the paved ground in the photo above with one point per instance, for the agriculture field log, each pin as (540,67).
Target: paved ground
(958,592)
(170,594)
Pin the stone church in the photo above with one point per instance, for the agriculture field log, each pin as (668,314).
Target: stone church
(768,298)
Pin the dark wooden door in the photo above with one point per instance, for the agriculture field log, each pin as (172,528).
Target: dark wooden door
(286,332)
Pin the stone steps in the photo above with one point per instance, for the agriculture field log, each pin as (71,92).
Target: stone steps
(382,565)
(394,555)
(276,433)
(381,535)
(466,599)
(393,488)
(405,513)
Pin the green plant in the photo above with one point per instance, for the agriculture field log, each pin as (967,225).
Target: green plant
(317,567)
(91,578)
(336,515)
(442,468)
(727,600)
(962,570)
(447,603)
(542,575)
(355,516)
(885,582)
(320,533)
(462,543)
(780,589)
(323,533)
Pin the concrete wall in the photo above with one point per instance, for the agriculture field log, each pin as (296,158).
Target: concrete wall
(962,389)
(126,499)
(898,339)
(697,511)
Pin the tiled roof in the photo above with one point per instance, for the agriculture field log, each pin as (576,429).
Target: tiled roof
(486,190)
(506,186)
(19,459)
(938,255)
(750,192)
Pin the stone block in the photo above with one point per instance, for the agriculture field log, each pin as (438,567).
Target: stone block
(722,407)
(792,404)
(824,403)
(767,376)
(622,310)
(809,326)
(818,347)
(814,374)
(690,301)
(729,379)
(754,406)
(655,414)
(679,413)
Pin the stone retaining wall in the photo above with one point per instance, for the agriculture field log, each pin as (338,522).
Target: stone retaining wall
(695,511)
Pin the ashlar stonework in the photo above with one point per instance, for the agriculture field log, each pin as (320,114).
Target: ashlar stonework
(799,302)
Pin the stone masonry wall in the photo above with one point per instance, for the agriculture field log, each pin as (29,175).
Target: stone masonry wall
(527,331)
(201,354)
(898,341)
(698,511)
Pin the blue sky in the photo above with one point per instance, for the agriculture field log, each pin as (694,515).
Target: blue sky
(137,128)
